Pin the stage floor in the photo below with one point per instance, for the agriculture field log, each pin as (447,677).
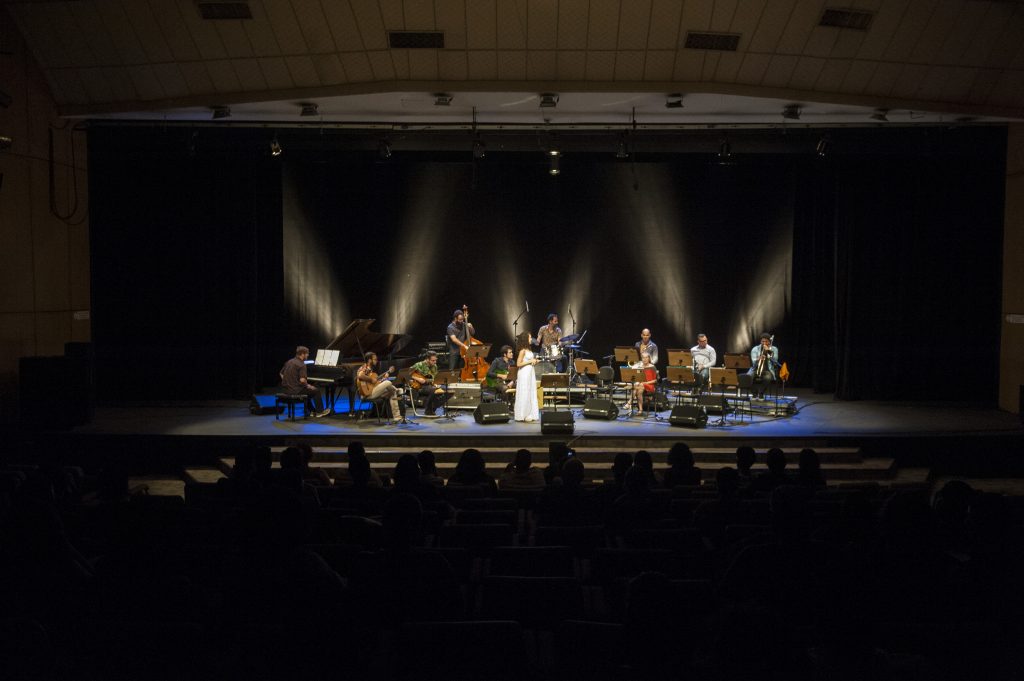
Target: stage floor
(819,418)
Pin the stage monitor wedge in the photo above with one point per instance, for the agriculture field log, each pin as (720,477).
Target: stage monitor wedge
(689,416)
(557,423)
(597,408)
(491,412)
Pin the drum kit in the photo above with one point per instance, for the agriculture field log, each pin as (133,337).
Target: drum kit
(566,347)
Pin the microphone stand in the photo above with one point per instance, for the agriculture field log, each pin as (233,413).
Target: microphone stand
(515,322)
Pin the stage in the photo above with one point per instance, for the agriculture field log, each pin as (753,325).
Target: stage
(818,418)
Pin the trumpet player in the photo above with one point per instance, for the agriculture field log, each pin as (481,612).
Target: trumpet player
(764,370)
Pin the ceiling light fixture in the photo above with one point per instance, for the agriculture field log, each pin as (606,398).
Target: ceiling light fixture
(275,147)
(221,112)
(442,99)
(824,144)
(623,151)
(724,153)
(554,169)
(479,149)
(384,149)
(674,101)
(309,109)
(791,112)
(880,115)
(548,99)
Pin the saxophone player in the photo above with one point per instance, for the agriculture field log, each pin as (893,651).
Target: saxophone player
(764,370)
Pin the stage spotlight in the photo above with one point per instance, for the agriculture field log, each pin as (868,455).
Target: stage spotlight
(674,101)
(5,142)
(309,109)
(5,99)
(880,115)
(275,147)
(548,99)
(824,144)
(623,151)
(479,149)
(221,112)
(724,153)
(554,168)
(441,99)
(792,112)
(384,149)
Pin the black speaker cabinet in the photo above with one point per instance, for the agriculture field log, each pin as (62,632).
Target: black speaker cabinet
(556,422)
(688,415)
(597,408)
(491,412)
(713,404)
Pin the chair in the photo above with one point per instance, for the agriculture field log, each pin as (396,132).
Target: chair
(532,561)
(463,651)
(378,407)
(478,539)
(288,402)
(535,602)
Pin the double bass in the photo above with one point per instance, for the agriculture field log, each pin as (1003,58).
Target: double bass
(474,369)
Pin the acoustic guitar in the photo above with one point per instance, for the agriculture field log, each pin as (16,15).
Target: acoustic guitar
(418,380)
(366,387)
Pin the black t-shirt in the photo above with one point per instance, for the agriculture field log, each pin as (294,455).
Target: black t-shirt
(291,373)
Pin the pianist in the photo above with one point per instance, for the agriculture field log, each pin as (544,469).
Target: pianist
(293,382)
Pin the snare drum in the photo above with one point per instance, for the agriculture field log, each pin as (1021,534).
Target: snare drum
(554,351)
(544,367)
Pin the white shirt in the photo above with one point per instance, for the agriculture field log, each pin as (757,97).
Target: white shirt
(703,357)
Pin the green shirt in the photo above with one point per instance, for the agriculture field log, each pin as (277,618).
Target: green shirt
(425,369)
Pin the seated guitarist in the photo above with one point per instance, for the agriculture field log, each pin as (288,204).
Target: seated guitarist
(498,373)
(421,378)
(372,386)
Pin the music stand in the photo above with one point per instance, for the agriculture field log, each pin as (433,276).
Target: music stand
(442,379)
(626,354)
(588,369)
(679,376)
(478,352)
(680,358)
(554,382)
(737,360)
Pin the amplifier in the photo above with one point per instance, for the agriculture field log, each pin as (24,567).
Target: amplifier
(597,408)
(688,415)
(464,395)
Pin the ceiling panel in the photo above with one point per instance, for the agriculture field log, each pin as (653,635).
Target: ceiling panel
(883,79)
(957,85)
(330,70)
(696,17)
(847,44)
(96,86)
(235,38)
(260,32)
(371,24)
(805,73)
(600,65)
(572,24)
(145,81)
(423,64)
(512,64)
(909,81)
(118,28)
(746,19)
(664,30)
(572,65)
(355,68)
(452,65)
(542,24)
(967,24)
(769,29)
(634,21)
(859,76)
(313,24)
(511,17)
(710,67)
(222,73)
(832,77)
(801,23)
(68,87)
(382,64)
(984,84)
(203,33)
(1008,41)
(722,14)
(1008,88)
(285,26)
(121,87)
(250,76)
(303,71)
(931,84)
(780,70)
(728,67)
(342,23)
(753,68)
(909,31)
(66,30)
(451,18)
(173,83)
(603,25)
(940,25)
(658,65)
(167,14)
(629,65)
(821,41)
(197,77)
(142,21)
(883,28)
(542,65)
(400,58)
(689,65)
(393,13)
(483,64)
(481,25)
(275,72)
(418,14)
(91,24)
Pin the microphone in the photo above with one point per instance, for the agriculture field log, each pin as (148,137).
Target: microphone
(527,305)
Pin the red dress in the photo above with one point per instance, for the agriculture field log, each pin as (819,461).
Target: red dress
(650,374)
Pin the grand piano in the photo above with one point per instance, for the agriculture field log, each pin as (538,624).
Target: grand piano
(356,340)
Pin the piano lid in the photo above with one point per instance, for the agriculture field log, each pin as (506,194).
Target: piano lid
(357,338)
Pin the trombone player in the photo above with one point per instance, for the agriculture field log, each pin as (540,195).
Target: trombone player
(765,364)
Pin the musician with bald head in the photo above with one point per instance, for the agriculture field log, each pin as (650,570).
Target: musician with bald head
(645,344)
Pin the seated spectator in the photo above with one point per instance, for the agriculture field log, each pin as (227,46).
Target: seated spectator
(407,480)
(642,460)
(428,468)
(682,470)
(521,475)
(612,489)
(558,454)
(745,458)
(809,473)
(713,516)
(471,470)
(566,501)
(359,472)
(776,475)
(636,508)
(310,473)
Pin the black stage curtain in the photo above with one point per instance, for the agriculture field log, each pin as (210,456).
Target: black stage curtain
(897,268)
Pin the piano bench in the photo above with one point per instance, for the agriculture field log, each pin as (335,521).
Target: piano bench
(289,401)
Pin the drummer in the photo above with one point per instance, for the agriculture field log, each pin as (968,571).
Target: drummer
(645,344)
(548,337)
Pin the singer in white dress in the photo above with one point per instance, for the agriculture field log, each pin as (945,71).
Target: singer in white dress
(526,408)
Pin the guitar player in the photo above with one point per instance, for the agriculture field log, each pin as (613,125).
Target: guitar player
(372,387)
(421,378)
(498,376)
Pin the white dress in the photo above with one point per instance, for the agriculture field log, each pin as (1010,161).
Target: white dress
(526,392)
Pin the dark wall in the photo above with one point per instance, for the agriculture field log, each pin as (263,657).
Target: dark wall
(894,242)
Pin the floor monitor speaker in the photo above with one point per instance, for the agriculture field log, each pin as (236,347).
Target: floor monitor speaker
(556,422)
(491,412)
(597,408)
(688,415)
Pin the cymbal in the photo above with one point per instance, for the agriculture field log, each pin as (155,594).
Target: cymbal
(571,338)
(572,347)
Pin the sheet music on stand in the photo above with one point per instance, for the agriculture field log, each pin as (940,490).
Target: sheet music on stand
(327,358)
(626,354)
